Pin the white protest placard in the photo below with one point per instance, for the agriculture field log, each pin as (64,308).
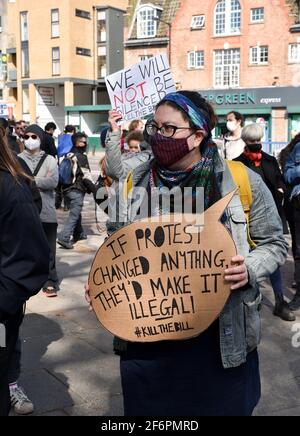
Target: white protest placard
(136,90)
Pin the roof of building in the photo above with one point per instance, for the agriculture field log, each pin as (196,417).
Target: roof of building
(168,8)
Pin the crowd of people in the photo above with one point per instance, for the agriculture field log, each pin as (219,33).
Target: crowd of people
(216,373)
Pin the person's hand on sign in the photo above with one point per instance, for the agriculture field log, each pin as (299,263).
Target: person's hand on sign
(113,118)
(238,273)
(88,298)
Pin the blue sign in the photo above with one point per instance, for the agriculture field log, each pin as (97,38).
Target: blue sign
(3,110)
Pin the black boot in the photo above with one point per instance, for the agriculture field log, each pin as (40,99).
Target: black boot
(295,303)
(283,310)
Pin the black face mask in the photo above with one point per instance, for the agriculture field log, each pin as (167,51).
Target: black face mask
(82,149)
(254,148)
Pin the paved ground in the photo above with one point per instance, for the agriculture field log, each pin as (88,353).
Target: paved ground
(68,364)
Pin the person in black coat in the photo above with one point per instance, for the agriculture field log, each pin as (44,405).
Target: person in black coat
(267,167)
(48,143)
(24,257)
(75,192)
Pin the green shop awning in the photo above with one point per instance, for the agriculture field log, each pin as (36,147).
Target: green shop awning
(245,111)
(293,109)
(89,108)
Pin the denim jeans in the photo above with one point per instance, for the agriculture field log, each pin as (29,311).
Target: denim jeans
(73,224)
(276,281)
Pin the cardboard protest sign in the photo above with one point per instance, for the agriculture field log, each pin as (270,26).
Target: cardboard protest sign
(136,90)
(153,281)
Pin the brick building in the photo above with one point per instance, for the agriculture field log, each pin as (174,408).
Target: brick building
(243,55)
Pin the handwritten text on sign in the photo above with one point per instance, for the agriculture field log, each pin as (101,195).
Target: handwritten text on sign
(135,91)
(152,282)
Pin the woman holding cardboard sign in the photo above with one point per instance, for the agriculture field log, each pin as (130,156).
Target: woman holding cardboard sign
(217,372)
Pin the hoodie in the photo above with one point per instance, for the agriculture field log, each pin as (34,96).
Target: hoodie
(46,180)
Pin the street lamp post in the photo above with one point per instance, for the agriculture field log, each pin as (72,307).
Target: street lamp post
(170,33)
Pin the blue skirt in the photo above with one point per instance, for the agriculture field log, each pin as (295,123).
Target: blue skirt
(186,378)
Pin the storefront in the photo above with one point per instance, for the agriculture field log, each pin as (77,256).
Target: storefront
(294,122)
(89,119)
(276,108)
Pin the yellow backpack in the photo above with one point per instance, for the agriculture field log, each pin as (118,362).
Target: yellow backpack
(241,179)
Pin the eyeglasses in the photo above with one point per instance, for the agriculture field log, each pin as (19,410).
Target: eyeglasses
(30,136)
(166,130)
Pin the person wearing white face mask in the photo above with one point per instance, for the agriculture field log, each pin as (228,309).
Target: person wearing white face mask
(45,171)
(233,143)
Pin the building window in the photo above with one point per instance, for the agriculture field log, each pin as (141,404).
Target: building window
(101,26)
(25,60)
(102,61)
(257,15)
(24,26)
(3,65)
(259,55)
(55,61)
(227,68)
(83,51)
(196,60)
(145,57)
(198,22)
(294,53)
(227,17)
(25,100)
(83,14)
(146,25)
(54,23)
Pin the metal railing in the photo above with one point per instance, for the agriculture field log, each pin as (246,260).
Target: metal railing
(274,148)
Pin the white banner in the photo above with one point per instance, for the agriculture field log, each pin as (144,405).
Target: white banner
(136,90)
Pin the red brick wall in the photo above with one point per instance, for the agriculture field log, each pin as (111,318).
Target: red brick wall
(279,125)
(274,32)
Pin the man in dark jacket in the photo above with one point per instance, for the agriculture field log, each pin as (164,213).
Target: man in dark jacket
(82,184)
(48,144)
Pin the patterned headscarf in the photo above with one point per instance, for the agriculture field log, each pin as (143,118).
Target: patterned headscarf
(193,112)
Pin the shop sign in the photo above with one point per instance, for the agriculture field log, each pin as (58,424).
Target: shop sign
(46,96)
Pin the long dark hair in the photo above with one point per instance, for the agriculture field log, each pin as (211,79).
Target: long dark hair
(284,154)
(8,161)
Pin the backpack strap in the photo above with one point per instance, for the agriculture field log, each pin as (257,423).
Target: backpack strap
(40,164)
(240,177)
(128,185)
